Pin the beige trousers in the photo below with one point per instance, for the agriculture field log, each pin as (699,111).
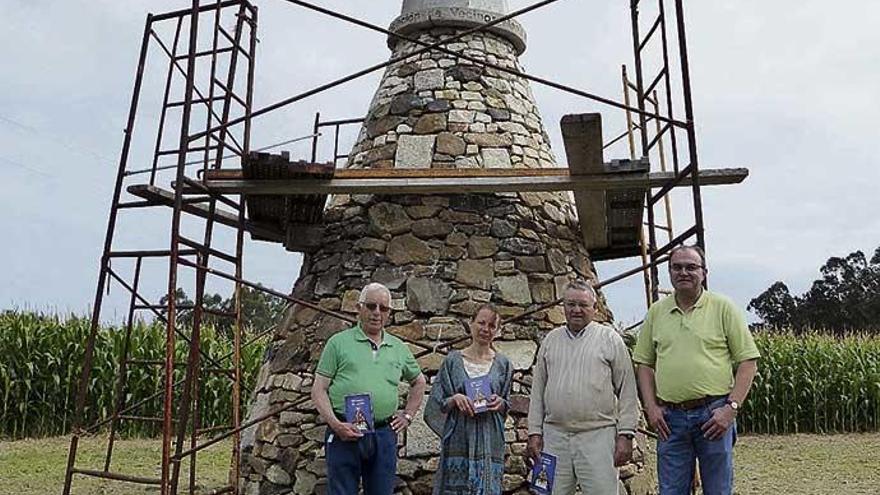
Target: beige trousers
(585,459)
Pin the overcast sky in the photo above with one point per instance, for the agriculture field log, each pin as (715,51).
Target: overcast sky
(787,88)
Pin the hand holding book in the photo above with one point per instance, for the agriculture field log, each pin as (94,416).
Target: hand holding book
(463,404)
(543,474)
(359,412)
(479,391)
(495,403)
(346,431)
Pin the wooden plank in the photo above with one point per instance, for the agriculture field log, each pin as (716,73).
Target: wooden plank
(161,196)
(560,181)
(411,173)
(726,176)
(582,137)
(610,219)
(304,238)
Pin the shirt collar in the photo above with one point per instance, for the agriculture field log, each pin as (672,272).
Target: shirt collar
(578,334)
(360,335)
(701,301)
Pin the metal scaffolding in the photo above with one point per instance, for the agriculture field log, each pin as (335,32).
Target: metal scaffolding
(203,79)
(212,77)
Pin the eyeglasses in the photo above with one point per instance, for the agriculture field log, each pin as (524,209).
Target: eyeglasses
(372,307)
(577,304)
(684,268)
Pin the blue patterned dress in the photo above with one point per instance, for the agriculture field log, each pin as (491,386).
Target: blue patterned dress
(471,449)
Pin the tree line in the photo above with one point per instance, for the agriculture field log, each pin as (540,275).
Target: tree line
(844,299)
(259,310)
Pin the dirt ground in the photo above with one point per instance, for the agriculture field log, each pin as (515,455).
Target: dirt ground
(793,464)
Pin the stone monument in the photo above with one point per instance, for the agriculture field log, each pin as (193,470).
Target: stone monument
(441,255)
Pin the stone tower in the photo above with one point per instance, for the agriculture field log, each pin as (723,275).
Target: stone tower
(441,256)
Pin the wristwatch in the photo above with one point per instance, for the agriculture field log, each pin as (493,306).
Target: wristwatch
(408,417)
(733,405)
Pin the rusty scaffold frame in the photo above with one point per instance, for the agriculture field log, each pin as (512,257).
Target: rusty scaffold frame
(214,94)
(209,198)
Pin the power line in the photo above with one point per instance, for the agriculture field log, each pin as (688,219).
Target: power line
(58,140)
(25,167)
(225,157)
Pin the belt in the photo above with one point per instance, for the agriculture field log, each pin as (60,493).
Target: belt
(691,404)
(381,423)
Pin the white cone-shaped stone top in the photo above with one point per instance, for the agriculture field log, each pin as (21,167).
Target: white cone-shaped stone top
(496,6)
(417,15)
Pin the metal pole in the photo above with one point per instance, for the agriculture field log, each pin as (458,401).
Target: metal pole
(315,138)
(689,118)
(168,425)
(123,365)
(669,108)
(667,201)
(105,261)
(239,274)
(643,132)
(155,167)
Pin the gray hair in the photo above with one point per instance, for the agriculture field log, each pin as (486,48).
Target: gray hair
(374,286)
(582,285)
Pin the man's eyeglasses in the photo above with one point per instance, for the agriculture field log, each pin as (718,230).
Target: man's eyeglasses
(372,307)
(577,304)
(675,267)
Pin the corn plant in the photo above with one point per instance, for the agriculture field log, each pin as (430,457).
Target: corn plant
(814,383)
(42,361)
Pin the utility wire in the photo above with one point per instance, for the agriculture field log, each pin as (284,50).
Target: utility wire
(58,140)
(25,167)
(225,157)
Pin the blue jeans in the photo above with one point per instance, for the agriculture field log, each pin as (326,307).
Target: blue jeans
(372,458)
(676,455)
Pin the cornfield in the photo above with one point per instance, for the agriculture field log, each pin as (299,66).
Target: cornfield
(41,362)
(811,383)
(814,383)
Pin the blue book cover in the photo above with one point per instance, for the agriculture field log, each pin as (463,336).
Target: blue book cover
(359,412)
(478,391)
(543,474)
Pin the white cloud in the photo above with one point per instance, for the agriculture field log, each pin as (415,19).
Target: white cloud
(788,89)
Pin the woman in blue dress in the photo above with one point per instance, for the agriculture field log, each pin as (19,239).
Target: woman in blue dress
(471,442)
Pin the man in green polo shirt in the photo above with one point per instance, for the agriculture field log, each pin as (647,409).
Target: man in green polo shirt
(697,360)
(365,360)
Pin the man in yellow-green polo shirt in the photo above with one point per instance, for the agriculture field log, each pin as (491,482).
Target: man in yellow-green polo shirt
(365,360)
(697,360)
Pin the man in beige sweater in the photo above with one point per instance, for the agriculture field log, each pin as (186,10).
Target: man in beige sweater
(584,407)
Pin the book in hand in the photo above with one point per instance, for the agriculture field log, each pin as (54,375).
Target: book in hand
(478,391)
(543,474)
(359,412)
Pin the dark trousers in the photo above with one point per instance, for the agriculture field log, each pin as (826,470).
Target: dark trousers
(372,458)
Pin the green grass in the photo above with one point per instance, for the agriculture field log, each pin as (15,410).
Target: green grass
(36,467)
(808,464)
(792,464)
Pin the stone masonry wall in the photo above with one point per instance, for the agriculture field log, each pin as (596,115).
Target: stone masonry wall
(441,256)
(437,111)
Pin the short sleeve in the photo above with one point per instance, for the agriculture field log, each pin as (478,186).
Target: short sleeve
(329,361)
(411,369)
(739,338)
(644,352)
